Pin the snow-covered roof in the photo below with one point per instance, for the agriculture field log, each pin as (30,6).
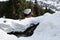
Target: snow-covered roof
(27,11)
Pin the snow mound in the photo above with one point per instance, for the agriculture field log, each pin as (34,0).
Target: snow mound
(48,29)
(27,11)
(5,36)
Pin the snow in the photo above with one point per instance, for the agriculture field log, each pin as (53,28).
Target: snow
(53,4)
(10,25)
(27,11)
(48,29)
(16,25)
(5,36)
(3,0)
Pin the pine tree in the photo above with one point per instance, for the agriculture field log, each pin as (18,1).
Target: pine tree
(36,8)
(5,9)
(16,8)
(20,6)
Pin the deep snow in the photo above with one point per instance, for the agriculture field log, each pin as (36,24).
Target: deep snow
(49,28)
(52,4)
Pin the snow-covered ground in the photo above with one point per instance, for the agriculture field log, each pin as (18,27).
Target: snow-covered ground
(48,29)
(53,4)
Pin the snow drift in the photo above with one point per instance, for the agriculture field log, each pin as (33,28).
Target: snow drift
(49,28)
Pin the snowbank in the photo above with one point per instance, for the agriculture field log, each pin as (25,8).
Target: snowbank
(5,36)
(49,28)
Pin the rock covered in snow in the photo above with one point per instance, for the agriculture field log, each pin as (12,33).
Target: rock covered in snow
(27,11)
